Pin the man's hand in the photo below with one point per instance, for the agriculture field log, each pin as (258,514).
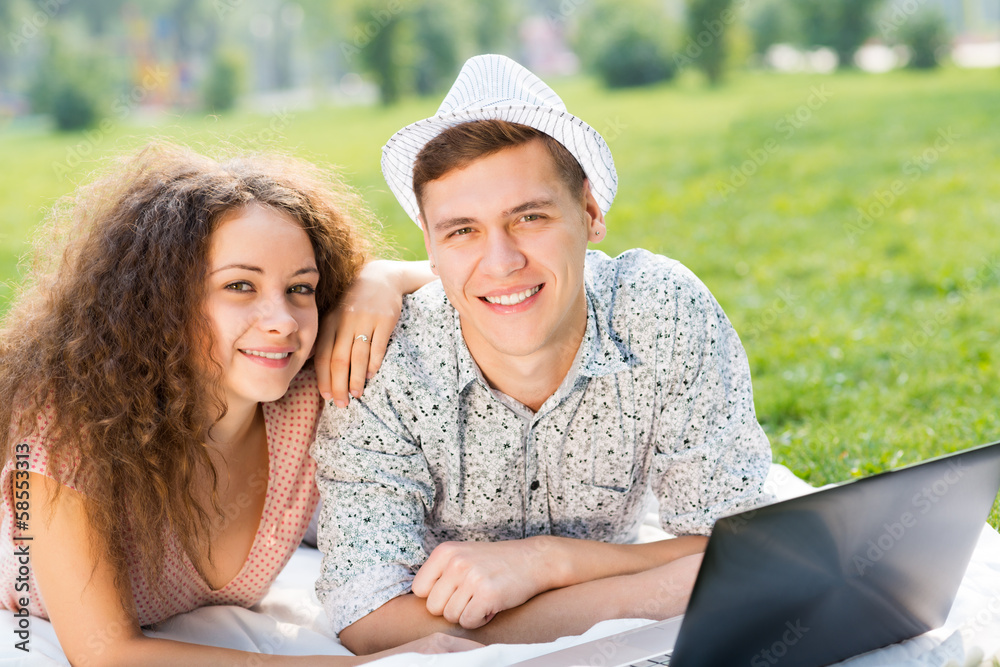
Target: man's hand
(470,582)
(558,607)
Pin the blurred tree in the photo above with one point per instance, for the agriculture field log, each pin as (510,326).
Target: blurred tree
(73,106)
(842,25)
(224,82)
(494,22)
(435,31)
(926,34)
(770,23)
(6,56)
(408,46)
(373,43)
(70,87)
(192,21)
(382,59)
(624,42)
(98,14)
(708,23)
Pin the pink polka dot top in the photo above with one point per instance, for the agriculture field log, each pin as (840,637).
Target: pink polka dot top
(290,501)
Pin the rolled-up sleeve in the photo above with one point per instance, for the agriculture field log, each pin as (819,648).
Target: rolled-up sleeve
(711,455)
(376,494)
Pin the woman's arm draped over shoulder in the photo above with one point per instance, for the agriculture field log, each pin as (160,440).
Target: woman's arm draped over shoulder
(370,308)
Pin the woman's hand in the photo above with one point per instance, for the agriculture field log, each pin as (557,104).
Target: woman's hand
(353,338)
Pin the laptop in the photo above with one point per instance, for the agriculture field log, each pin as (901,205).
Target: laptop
(817,579)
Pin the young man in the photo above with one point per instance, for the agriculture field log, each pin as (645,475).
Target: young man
(491,478)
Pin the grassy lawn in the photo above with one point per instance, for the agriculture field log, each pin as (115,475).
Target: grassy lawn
(849,225)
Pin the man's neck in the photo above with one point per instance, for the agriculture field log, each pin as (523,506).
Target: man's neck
(530,379)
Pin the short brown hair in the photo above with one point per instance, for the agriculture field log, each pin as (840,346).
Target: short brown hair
(461,145)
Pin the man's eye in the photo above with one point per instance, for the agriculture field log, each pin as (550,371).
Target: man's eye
(302,289)
(462,232)
(530,217)
(240,286)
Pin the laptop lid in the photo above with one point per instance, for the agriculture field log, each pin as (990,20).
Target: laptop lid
(819,578)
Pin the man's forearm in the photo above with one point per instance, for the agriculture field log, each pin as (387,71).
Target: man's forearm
(658,593)
(577,561)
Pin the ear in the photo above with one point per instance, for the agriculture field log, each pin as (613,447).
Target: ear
(596,229)
(427,244)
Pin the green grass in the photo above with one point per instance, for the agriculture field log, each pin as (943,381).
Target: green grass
(872,343)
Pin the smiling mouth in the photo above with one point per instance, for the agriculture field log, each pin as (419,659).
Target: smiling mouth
(266,355)
(512,299)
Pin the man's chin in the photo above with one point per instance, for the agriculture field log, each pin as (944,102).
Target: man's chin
(511,347)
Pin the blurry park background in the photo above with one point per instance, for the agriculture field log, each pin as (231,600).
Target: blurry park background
(829,168)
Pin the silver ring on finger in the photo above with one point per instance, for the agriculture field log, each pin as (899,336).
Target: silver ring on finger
(363,338)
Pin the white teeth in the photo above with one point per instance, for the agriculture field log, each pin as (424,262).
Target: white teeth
(267,355)
(513,299)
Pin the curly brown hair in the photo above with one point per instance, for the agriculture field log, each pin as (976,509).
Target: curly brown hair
(108,332)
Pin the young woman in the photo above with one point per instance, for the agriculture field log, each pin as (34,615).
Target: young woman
(159,401)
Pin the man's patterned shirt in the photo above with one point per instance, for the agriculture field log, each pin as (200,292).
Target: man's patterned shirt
(658,399)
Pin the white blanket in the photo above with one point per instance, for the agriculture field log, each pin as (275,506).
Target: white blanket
(290,620)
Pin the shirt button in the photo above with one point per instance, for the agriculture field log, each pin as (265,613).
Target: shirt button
(534,485)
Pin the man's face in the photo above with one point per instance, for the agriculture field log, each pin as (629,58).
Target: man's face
(508,240)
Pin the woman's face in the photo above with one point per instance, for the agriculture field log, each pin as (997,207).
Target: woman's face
(261,302)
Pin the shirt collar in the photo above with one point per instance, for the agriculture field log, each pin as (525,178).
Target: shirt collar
(604,352)
(468,370)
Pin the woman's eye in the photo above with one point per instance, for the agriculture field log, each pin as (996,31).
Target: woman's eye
(302,289)
(240,286)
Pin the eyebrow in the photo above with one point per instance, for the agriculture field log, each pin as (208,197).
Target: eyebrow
(451,223)
(257,269)
(529,205)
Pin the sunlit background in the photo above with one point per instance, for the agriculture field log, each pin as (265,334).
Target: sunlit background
(829,168)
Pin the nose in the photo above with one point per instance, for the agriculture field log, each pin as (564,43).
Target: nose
(501,255)
(275,316)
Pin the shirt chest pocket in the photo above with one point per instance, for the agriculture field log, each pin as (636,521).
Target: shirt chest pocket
(611,453)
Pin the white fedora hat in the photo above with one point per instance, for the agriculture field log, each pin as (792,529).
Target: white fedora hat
(496,87)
